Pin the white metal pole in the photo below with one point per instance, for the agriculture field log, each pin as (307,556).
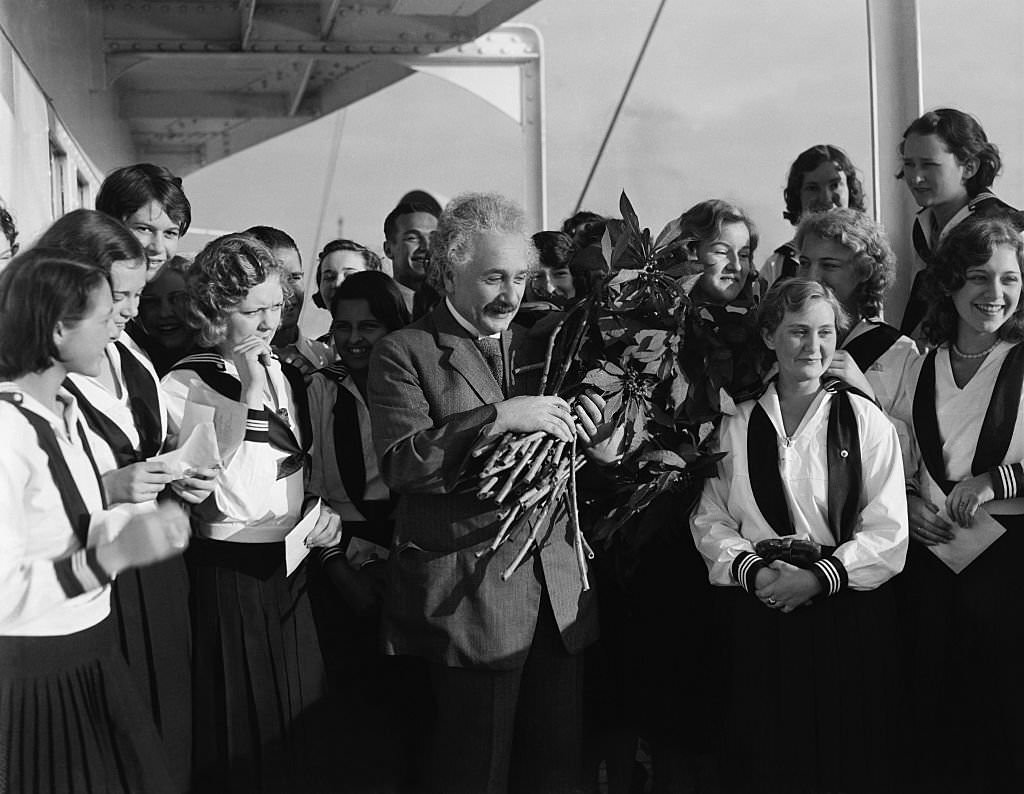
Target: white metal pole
(894,62)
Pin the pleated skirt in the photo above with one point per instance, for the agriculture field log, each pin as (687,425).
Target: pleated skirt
(963,635)
(812,698)
(71,722)
(150,610)
(258,684)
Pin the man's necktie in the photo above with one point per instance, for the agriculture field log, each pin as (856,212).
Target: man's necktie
(490,349)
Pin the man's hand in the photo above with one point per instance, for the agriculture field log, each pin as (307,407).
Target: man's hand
(530,414)
(291,356)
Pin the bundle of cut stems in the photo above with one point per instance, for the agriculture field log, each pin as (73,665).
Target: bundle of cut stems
(527,474)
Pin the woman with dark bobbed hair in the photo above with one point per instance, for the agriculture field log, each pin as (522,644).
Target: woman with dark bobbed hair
(376,691)
(949,166)
(258,676)
(149,200)
(962,588)
(70,721)
(338,260)
(122,405)
(820,178)
(161,331)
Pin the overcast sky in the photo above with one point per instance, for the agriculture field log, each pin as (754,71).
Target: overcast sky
(729,92)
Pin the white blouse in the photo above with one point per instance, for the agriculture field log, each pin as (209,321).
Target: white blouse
(118,410)
(249,503)
(727,521)
(889,370)
(35,531)
(960,413)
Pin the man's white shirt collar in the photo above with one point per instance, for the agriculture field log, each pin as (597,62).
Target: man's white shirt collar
(466,324)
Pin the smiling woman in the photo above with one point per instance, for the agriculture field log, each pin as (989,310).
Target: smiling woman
(819,471)
(720,240)
(149,200)
(123,408)
(949,165)
(964,404)
(70,714)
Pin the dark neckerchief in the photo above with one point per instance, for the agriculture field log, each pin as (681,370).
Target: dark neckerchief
(70,496)
(348,452)
(984,204)
(844,470)
(212,370)
(143,400)
(790,261)
(867,348)
(996,427)
(144,403)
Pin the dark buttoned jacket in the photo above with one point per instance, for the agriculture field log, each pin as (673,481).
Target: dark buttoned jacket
(431,396)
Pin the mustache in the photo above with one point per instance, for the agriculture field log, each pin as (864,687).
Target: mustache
(500,306)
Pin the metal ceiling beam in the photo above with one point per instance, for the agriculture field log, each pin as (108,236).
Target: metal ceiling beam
(328,16)
(207,104)
(242,22)
(277,48)
(246,12)
(300,88)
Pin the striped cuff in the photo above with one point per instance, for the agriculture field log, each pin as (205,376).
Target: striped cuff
(257,427)
(831,574)
(80,573)
(330,553)
(745,568)
(1007,480)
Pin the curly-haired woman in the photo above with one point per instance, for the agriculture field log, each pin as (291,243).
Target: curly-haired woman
(848,252)
(256,661)
(961,588)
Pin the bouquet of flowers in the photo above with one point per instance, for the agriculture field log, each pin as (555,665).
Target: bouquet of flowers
(668,369)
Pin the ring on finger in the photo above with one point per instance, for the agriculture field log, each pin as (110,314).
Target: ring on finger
(772,601)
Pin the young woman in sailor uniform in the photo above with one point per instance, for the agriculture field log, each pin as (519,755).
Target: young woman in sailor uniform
(380,695)
(848,252)
(949,166)
(807,538)
(258,676)
(70,720)
(961,589)
(820,178)
(123,408)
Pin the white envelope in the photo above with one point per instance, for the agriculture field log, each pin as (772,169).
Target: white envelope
(968,542)
(295,549)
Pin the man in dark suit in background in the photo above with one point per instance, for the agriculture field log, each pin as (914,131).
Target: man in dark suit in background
(505,669)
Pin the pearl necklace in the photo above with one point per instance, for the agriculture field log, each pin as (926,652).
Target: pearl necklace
(961,354)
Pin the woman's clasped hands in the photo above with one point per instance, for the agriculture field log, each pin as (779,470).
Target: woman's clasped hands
(785,587)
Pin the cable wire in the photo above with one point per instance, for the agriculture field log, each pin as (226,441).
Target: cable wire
(618,109)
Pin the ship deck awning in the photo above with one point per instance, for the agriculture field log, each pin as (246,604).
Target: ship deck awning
(197,80)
